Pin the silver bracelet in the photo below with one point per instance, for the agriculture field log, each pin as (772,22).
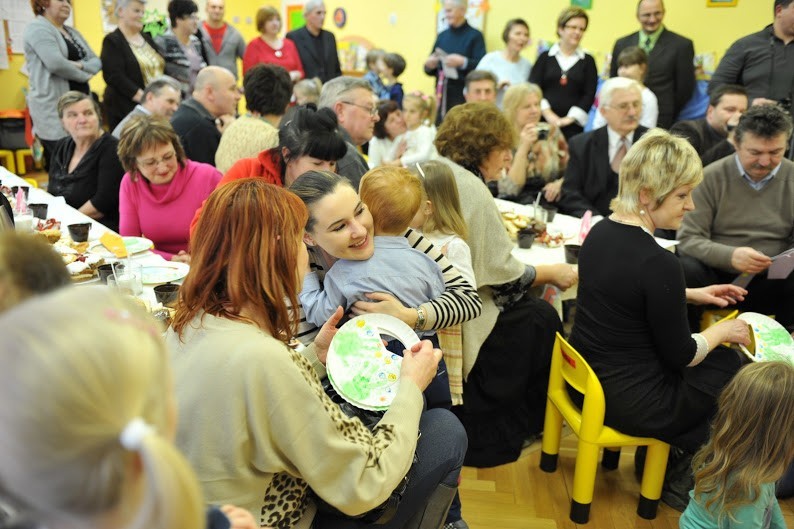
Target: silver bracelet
(702,349)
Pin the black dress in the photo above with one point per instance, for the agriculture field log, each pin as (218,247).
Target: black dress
(96,178)
(631,326)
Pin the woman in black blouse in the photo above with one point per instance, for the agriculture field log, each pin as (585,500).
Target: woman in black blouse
(85,168)
(660,380)
(567,75)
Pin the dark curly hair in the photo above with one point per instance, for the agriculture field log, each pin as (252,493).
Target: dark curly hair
(470,132)
(180,9)
(763,121)
(268,89)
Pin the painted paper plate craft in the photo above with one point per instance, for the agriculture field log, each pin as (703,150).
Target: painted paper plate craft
(360,367)
(770,340)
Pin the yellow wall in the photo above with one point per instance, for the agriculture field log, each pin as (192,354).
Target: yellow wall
(712,29)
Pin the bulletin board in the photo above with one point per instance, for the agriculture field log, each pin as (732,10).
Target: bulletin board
(293,16)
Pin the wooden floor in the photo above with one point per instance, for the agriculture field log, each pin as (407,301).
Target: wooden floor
(520,495)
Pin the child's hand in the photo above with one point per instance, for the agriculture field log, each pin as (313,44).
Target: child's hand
(239,518)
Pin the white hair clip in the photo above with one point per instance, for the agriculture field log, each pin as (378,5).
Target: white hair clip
(421,172)
(132,435)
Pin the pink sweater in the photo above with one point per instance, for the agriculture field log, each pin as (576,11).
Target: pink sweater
(163,213)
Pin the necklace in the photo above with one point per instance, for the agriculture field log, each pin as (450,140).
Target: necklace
(640,225)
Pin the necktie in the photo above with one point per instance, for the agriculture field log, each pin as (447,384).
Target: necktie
(619,155)
(647,46)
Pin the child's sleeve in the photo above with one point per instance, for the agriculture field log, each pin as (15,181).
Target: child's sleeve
(459,254)
(320,301)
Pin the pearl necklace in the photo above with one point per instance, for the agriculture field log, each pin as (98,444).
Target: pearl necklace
(640,225)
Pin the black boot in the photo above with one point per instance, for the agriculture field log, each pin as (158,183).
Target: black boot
(678,480)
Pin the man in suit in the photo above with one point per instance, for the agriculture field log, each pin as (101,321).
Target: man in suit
(463,47)
(316,46)
(354,103)
(160,98)
(591,178)
(671,72)
(743,216)
(709,135)
(201,120)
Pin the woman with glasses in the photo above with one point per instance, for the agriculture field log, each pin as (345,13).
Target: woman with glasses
(162,189)
(567,75)
(182,49)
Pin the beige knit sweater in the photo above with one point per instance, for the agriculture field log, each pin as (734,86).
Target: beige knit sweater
(258,429)
(491,256)
(246,137)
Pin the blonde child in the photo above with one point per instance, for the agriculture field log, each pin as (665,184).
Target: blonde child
(306,91)
(440,220)
(417,145)
(88,417)
(750,447)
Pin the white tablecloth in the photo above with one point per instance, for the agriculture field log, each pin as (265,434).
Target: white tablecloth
(58,209)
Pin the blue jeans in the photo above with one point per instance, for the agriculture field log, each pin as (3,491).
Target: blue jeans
(440,450)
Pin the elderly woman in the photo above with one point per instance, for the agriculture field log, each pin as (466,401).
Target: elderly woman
(272,441)
(507,350)
(567,75)
(181,48)
(269,48)
(58,60)
(84,167)
(659,379)
(162,189)
(387,145)
(540,157)
(268,90)
(130,61)
(509,67)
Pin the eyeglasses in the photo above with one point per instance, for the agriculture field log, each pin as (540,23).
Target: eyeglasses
(373,111)
(657,14)
(151,163)
(624,107)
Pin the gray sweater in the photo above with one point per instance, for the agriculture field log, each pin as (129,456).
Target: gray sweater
(232,48)
(50,72)
(729,213)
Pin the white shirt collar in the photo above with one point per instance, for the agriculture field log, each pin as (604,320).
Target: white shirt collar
(555,49)
(614,138)
(760,184)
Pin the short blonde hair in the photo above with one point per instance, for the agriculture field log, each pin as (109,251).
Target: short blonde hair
(658,163)
(142,133)
(393,195)
(67,391)
(514,98)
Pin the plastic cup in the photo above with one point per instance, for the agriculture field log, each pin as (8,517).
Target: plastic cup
(167,294)
(572,253)
(526,238)
(105,271)
(39,210)
(550,212)
(79,232)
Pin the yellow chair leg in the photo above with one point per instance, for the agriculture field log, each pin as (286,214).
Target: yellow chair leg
(584,476)
(552,432)
(8,160)
(21,154)
(653,479)
(31,181)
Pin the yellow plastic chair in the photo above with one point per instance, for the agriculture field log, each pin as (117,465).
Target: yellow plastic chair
(567,365)
(21,154)
(7,158)
(32,182)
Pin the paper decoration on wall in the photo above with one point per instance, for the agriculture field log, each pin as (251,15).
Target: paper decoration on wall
(154,22)
(293,14)
(722,3)
(340,17)
(475,15)
(584,4)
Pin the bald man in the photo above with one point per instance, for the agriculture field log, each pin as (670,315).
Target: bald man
(200,120)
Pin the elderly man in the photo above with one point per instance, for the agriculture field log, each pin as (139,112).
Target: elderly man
(743,217)
(709,135)
(456,51)
(480,86)
(222,42)
(762,62)
(199,121)
(316,46)
(671,73)
(591,178)
(354,104)
(161,98)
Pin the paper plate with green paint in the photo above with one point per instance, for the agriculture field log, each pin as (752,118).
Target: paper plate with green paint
(771,340)
(360,367)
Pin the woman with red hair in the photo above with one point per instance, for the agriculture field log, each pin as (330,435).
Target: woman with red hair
(255,422)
